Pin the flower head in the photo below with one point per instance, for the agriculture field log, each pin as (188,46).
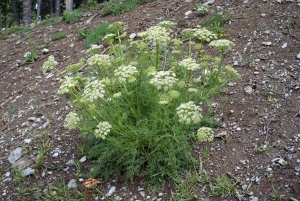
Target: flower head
(99,60)
(222,44)
(205,134)
(123,73)
(94,49)
(67,85)
(156,35)
(188,33)
(109,38)
(204,35)
(93,90)
(232,72)
(48,65)
(116,27)
(189,113)
(190,64)
(166,24)
(71,121)
(163,80)
(103,128)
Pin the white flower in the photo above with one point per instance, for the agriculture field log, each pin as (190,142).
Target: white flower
(94,49)
(94,90)
(109,38)
(67,84)
(163,80)
(232,72)
(48,65)
(156,35)
(123,73)
(71,120)
(189,64)
(189,113)
(188,33)
(222,44)
(204,35)
(205,134)
(103,129)
(192,90)
(99,60)
(166,24)
(117,95)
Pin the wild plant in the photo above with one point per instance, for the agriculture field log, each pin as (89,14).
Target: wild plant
(139,105)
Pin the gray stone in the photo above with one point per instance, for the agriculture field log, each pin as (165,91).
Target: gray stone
(72,184)
(15,155)
(254,199)
(28,171)
(248,90)
(22,162)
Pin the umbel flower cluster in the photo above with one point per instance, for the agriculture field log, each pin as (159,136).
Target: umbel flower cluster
(67,85)
(103,128)
(101,61)
(163,80)
(204,35)
(189,113)
(190,64)
(93,90)
(156,35)
(49,65)
(205,134)
(72,121)
(201,34)
(124,73)
(222,44)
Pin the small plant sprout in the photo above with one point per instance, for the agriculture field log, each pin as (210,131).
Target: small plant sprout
(202,9)
(224,187)
(275,194)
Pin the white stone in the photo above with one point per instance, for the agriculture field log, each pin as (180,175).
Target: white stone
(83,159)
(55,154)
(27,141)
(187,13)
(27,54)
(298,56)
(132,36)
(45,51)
(111,191)
(7,174)
(284,45)
(267,43)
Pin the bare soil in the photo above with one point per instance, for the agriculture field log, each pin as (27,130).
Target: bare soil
(261,144)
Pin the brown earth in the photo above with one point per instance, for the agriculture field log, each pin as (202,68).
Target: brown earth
(261,148)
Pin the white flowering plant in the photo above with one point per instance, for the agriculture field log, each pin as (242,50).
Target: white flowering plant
(138,106)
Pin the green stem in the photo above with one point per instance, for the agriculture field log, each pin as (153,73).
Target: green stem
(157,56)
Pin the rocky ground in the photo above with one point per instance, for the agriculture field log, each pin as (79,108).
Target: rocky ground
(257,143)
